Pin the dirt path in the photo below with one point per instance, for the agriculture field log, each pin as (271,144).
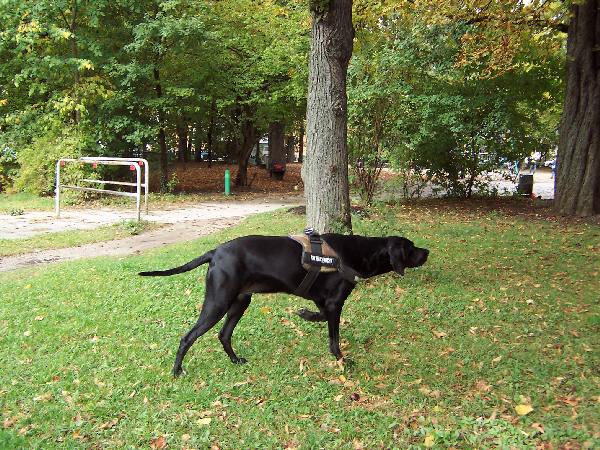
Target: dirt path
(184,224)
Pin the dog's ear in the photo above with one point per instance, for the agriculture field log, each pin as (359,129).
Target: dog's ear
(397,253)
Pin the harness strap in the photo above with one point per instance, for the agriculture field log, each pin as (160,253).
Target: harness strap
(316,246)
(313,272)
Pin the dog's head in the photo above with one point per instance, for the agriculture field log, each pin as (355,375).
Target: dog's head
(403,254)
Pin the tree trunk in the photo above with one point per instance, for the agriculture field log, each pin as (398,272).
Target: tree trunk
(182,140)
(249,133)
(577,189)
(277,154)
(325,169)
(211,127)
(290,144)
(162,140)
(301,147)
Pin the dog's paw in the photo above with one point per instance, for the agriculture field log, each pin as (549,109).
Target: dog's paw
(177,372)
(239,360)
(310,315)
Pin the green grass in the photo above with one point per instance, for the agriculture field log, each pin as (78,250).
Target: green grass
(24,202)
(504,313)
(73,238)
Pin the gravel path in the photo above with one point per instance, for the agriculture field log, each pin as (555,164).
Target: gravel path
(184,224)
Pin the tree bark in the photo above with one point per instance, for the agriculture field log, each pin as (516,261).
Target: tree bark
(325,169)
(211,127)
(277,154)
(290,144)
(249,133)
(301,147)
(577,189)
(162,140)
(182,140)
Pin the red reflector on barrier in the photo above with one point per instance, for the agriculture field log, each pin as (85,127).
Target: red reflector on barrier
(132,167)
(95,165)
(141,163)
(62,163)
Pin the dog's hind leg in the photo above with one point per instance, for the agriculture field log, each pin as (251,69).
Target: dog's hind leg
(212,312)
(333,321)
(234,315)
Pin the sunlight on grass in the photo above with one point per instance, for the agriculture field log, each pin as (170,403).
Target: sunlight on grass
(505,313)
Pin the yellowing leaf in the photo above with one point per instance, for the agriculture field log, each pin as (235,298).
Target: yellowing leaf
(429,441)
(523,410)
(265,309)
(204,421)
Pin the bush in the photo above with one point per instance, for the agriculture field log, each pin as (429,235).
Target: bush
(37,161)
(8,167)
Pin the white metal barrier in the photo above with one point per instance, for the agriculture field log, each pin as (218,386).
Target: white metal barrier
(134,163)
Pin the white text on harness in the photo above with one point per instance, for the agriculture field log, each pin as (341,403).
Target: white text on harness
(321,259)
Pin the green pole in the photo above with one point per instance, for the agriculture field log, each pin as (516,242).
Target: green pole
(227,182)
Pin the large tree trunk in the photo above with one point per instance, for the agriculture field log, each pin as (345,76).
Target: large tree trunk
(276,144)
(162,141)
(577,190)
(325,169)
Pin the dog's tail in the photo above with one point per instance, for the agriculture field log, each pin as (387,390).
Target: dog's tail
(207,257)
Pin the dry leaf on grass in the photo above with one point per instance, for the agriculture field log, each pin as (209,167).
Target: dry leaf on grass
(159,443)
(523,410)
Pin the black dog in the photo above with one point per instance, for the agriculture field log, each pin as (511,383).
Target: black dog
(267,264)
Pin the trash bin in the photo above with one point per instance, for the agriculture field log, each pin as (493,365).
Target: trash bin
(525,186)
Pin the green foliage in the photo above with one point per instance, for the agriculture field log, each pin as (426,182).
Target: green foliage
(96,68)
(38,160)
(413,100)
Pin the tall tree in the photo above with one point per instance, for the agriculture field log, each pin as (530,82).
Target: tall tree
(325,168)
(577,190)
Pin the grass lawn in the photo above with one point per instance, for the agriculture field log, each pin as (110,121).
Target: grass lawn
(22,202)
(503,320)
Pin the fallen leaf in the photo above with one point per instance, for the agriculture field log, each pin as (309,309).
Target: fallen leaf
(265,310)
(38,318)
(429,441)
(357,445)
(204,421)
(109,424)
(159,443)
(523,410)
(538,427)
(482,386)
(337,398)
(440,334)
(447,351)
(43,397)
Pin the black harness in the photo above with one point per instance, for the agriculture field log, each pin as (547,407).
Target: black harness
(316,261)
